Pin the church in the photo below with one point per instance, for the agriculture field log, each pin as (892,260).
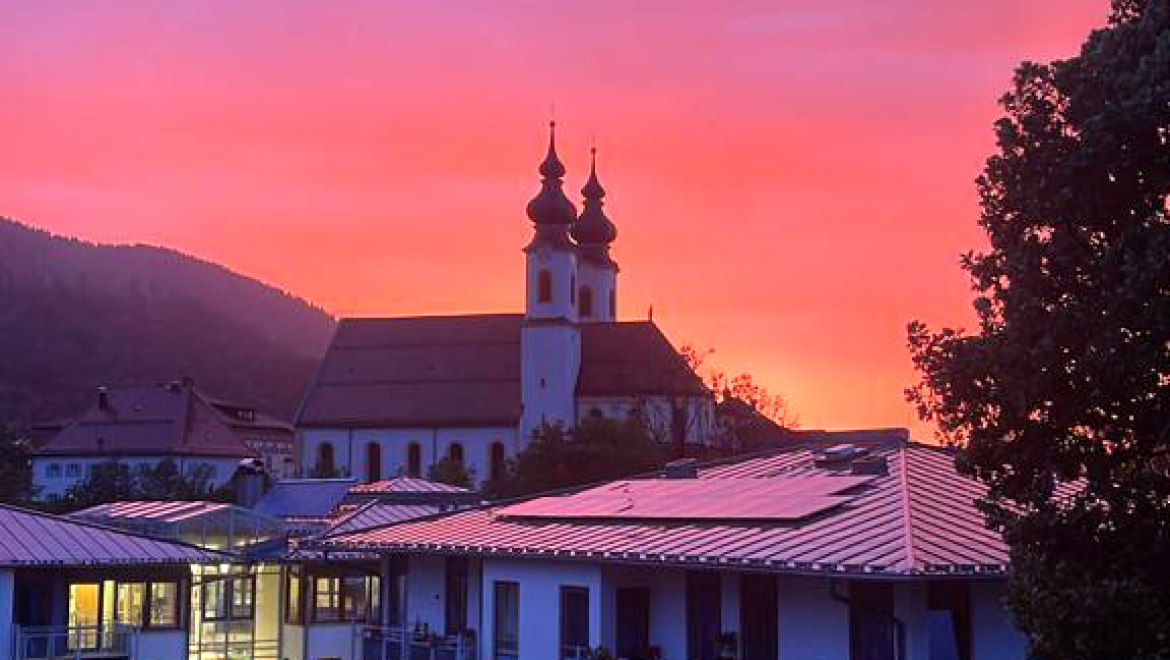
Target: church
(393,396)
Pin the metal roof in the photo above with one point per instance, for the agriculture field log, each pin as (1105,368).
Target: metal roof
(464,371)
(406,485)
(918,519)
(31,538)
(376,514)
(161,512)
(304,498)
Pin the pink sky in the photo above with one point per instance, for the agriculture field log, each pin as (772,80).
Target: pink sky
(792,181)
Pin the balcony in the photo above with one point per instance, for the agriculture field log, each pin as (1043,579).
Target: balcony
(108,641)
(408,644)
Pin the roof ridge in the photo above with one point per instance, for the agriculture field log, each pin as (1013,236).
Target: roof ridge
(907,513)
(351,319)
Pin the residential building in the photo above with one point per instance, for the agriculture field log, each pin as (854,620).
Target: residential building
(145,425)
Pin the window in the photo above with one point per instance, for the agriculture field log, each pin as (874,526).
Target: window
(164,605)
(294,601)
(572,289)
(455,591)
(455,453)
(327,599)
(585,307)
(703,615)
(496,460)
(373,462)
(873,632)
(73,470)
(129,607)
(325,466)
(338,598)
(612,303)
(544,287)
(574,622)
(53,470)
(759,612)
(414,460)
(84,615)
(948,621)
(229,598)
(633,622)
(506,628)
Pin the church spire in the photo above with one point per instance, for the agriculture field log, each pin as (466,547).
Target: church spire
(594,231)
(550,210)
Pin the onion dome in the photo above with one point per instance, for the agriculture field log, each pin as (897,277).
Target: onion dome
(594,231)
(550,208)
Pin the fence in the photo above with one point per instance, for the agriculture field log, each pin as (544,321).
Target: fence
(406,644)
(108,641)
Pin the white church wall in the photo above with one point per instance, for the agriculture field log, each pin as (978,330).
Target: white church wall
(657,409)
(54,475)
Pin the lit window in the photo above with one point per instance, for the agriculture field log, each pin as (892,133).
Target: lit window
(294,604)
(164,605)
(129,606)
(327,599)
(346,598)
(229,598)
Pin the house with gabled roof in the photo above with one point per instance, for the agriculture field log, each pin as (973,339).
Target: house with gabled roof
(75,589)
(147,424)
(395,395)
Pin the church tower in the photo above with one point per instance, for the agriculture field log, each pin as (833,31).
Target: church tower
(550,344)
(597,271)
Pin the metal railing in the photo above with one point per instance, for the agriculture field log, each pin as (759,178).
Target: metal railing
(111,641)
(255,649)
(397,643)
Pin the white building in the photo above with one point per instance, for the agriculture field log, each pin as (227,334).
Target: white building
(141,426)
(395,395)
(849,552)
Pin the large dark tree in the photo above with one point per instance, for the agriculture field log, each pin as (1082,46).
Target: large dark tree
(15,468)
(1061,401)
(598,449)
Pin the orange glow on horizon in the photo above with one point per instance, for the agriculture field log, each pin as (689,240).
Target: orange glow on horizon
(792,182)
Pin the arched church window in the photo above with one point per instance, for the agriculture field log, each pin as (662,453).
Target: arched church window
(373,462)
(325,465)
(612,304)
(455,453)
(544,286)
(496,460)
(414,460)
(586,306)
(572,289)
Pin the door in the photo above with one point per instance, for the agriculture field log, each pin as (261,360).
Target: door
(703,615)
(759,615)
(633,623)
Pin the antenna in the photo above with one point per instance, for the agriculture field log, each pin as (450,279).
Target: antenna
(650,313)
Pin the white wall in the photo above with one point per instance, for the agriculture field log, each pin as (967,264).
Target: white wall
(424,591)
(993,635)
(813,626)
(668,613)
(7,611)
(540,602)
(350,448)
(332,640)
(657,409)
(161,645)
(51,487)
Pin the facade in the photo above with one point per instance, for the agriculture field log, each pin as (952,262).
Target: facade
(871,550)
(145,425)
(395,395)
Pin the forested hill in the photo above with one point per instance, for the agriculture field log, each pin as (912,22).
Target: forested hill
(75,315)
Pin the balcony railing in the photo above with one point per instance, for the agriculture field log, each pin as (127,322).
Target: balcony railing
(223,649)
(108,641)
(397,643)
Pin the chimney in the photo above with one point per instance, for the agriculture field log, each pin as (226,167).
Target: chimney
(250,482)
(103,399)
(683,468)
(870,465)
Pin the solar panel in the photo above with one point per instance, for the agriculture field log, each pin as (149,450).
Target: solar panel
(779,499)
